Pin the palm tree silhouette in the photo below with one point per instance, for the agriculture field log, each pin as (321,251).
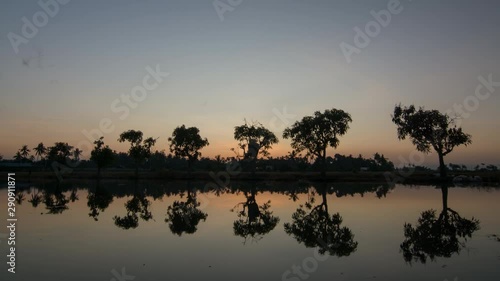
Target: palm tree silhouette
(76,154)
(18,156)
(24,151)
(40,151)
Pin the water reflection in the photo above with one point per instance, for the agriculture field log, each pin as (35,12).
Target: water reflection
(437,236)
(136,207)
(55,200)
(98,200)
(184,217)
(35,197)
(254,221)
(314,227)
(360,221)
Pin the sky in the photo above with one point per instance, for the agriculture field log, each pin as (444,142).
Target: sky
(227,61)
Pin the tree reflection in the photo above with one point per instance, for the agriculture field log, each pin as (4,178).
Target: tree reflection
(35,198)
(253,220)
(73,196)
(137,207)
(98,201)
(437,236)
(184,217)
(313,226)
(55,201)
(20,198)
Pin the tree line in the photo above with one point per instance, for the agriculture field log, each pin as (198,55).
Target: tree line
(312,135)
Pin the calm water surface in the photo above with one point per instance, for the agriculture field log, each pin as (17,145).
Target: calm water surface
(254,231)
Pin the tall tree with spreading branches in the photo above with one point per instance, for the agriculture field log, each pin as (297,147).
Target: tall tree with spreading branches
(187,143)
(254,139)
(315,134)
(102,155)
(140,150)
(429,129)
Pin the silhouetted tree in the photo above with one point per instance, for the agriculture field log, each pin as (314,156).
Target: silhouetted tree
(102,155)
(314,227)
(139,150)
(18,157)
(253,220)
(254,139)
(429,129)
(184,217)
(186,143)
(40,151)
(25,152)
(435,236)
(316,133)
(60,152)
(76,154)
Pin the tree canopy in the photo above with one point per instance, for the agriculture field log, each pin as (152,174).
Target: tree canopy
(102,155)
(429,129)
(315,134)
(139,150)
(186,143)
(254,139)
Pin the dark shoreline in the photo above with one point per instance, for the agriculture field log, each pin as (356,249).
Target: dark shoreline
(358,177)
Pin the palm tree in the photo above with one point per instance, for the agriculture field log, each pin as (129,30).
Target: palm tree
(25,151)
(76,154)
(40,151)
(18,157)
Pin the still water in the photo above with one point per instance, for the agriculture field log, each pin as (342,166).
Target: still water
(253,231)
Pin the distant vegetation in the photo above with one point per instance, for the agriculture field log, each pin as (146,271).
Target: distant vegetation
(427,129)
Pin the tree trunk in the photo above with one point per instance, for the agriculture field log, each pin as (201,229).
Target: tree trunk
(98,171)
(442,166)
(323,165)
(190,167)
(136,171)
(444,191)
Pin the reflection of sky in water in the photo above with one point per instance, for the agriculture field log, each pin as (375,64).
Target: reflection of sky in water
(73,246)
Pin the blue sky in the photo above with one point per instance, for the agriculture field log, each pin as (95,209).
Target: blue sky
(263,56)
